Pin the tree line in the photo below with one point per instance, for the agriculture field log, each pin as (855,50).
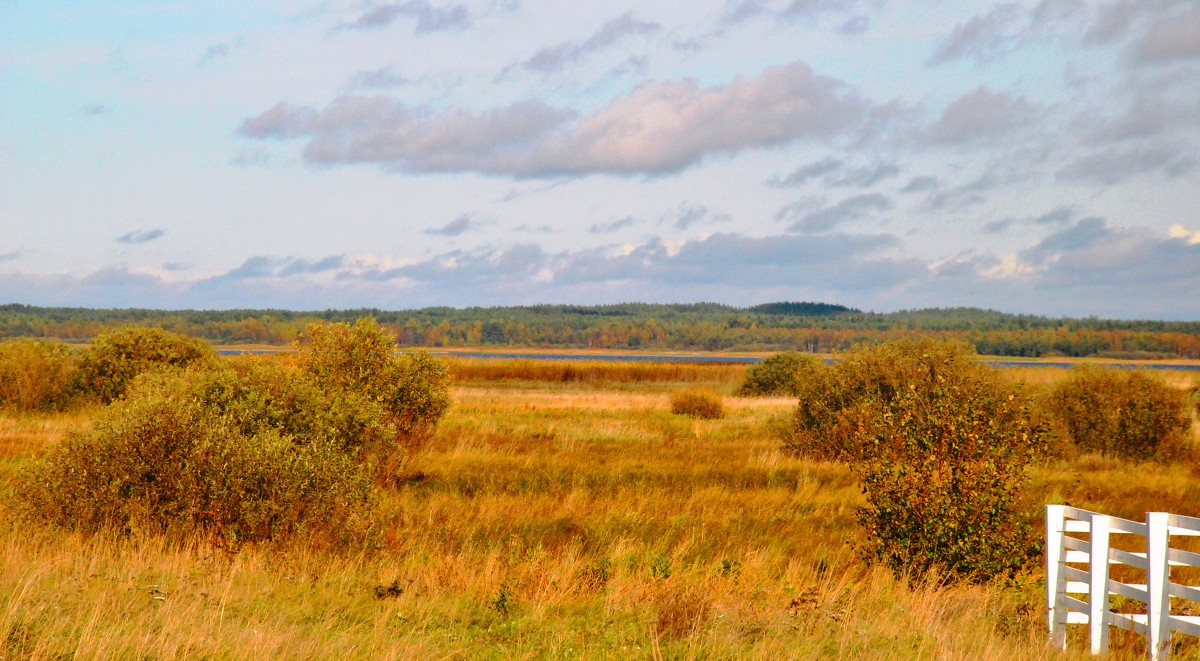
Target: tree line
(803,326)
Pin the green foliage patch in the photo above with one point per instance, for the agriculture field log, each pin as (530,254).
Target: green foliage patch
(1129,414)
(781,374)
(116,357)
(358,364)
(168,460)
(941,446)
(36,375)
(252,451)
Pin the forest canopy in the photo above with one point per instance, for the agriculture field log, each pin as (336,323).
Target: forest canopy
(799,326)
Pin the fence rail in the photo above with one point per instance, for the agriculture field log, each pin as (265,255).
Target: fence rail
(1062,579)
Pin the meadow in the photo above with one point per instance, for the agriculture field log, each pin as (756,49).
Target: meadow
(559,511)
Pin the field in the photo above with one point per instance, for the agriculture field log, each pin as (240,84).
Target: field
(561,511)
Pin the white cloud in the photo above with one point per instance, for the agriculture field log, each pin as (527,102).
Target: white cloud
(658,128)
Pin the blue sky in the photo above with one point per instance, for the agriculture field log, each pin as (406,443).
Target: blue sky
(1036,157)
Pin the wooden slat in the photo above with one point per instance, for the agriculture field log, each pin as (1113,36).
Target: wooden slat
(1135,622)
(1189,592)
(1076,556)
(1076,544)
(1178,524)
(1129,590)
(1073,604)
(1180,558)
(1137,560)
(1071,525)
(1189,624)
(1077,587)
(1073,574)
(1075,617)
(1078,514)
(1126,526)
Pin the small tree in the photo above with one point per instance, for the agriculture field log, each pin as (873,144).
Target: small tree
(35,374)
(781,374)
(116,357)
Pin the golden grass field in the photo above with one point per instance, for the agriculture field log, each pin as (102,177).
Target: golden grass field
(556,514)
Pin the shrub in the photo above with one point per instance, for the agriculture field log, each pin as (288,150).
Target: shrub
(359,363)
(116,357)
(823,426)
(1130,414)
(941,446)
(237,455)
(782,374)
(698,403)
(35,374)
(942,475)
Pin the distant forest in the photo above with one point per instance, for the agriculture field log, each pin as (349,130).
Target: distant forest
(813,327)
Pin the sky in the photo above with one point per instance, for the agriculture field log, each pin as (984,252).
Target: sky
(1037,157)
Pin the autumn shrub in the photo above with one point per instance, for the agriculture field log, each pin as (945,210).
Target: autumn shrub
(942,474)
(823,425)
(781,374)
(360,363)
(114,358)
(36,374)
(1129,414)
(940,444)
(700,403)
(236,455)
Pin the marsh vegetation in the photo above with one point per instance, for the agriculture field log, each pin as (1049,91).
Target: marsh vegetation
(547,510)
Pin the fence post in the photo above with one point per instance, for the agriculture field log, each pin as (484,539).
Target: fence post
(1158,577)
(1055,581)
(1098,584)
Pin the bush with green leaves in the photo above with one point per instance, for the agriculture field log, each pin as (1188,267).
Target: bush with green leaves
(360,362)
(114,358)
(36,375)
(698,402)
(236,454)
(1130,414)
(781,375)
(942,470)
(941,445)
(823,426)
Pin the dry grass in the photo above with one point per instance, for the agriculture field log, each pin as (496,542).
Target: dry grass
(575,519)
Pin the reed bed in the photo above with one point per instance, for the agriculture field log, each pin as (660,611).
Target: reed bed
(593,372)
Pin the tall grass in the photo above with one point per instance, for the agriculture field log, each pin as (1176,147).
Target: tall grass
(564,519)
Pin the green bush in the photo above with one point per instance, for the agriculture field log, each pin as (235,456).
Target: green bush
(941,445)
(942,475)
(698,403)
(116,357)
(36,375)
(1130,414)
(235,454)
(359,363)
(823,426)
(782,374)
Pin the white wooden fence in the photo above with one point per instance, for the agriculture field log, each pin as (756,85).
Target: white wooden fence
(1062,579)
